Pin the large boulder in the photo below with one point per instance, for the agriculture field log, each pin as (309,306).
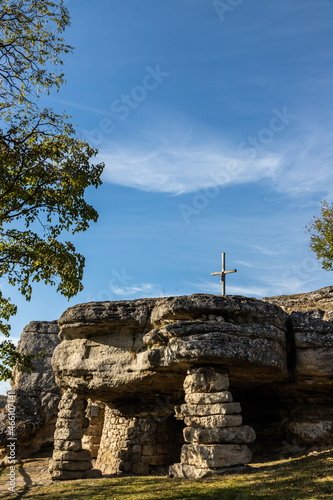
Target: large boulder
(114,349)
(36,394)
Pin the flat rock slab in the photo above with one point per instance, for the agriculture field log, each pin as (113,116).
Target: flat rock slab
(239,435)
(208,398)
(215,455)
(213,421)
(214,409)
(184,471)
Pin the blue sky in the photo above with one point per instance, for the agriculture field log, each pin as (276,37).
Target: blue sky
(214,119)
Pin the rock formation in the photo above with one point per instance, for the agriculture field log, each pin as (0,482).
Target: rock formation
(37,394)
(135,356)
(181,382)
(319,299)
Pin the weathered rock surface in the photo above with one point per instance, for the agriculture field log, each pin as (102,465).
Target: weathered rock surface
(241,434)
(319,299)
(111,349)
(215,455)
(133,357)
(37,394)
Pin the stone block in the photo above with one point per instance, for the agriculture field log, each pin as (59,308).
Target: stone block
(68,433)
(71,413)
(185,471)
(208,398)
(72,401)
(212,421)
(311,432)
(141,469)
(206,379)
(213,409)
(67,445)
(70,465)
(215,455)
(239,435)
(81,455)
(66,475)
(156,459)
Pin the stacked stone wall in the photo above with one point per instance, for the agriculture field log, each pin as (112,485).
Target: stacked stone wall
(137,444)
(92,435)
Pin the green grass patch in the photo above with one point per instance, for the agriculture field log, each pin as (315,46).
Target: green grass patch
(307,478)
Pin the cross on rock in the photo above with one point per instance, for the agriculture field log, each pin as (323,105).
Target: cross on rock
(223,273)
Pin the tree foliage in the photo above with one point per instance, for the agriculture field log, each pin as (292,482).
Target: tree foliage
(321,239)
(44,168)
(30,49)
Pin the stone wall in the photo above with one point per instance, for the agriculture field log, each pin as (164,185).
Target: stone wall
(92,435)
(138,442)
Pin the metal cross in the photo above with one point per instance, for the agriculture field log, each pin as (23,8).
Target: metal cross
(223,273)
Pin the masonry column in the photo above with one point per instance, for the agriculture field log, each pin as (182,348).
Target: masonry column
(70,460)
(215,435)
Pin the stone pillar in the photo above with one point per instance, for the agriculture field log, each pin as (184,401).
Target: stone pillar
(215,435)
(70,460)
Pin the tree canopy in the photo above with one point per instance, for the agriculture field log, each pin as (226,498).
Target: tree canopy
(44,168)
(30,49)
(321,239)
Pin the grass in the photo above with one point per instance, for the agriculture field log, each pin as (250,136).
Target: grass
(307,478)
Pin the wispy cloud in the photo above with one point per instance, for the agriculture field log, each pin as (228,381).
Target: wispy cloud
(149,289)
(295,164)
(177,169)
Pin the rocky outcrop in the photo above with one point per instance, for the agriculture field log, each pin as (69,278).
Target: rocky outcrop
(36,394)
(136,355)
(181,382)
(319,299)
(114,349)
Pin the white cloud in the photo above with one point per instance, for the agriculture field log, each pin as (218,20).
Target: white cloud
(136,289)
(179,169)
(295,164)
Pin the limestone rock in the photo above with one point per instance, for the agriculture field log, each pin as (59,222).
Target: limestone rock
(69,465)
(185,471)
(67,475)
(37,394)
(319,299)
(215,455)
(212,421)
(135,356)
(79,455)
(112,348)
(314,344)
(212,409)
(206,379)
(319,432)
(208,398)
(242,434)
